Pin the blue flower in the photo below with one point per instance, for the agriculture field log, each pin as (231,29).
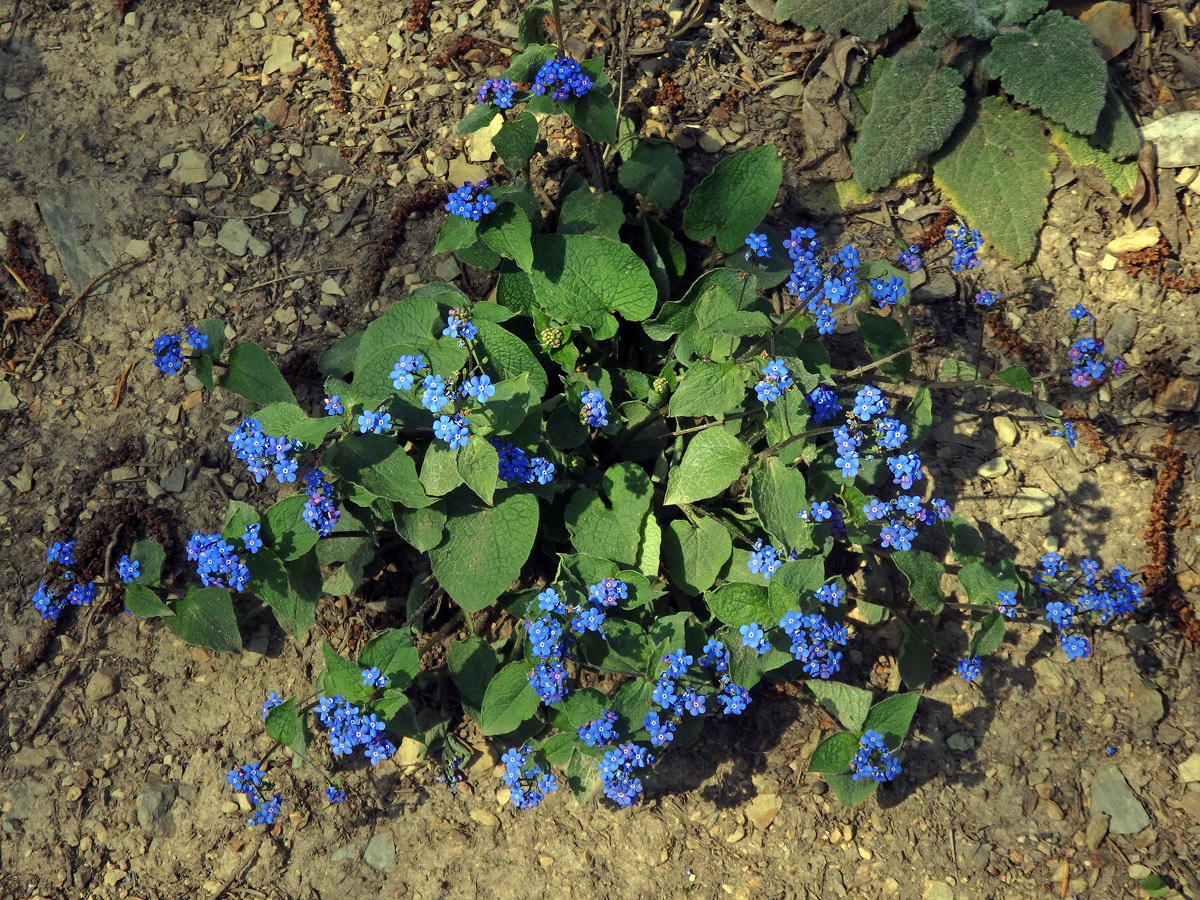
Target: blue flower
(764,559)
(128,569)
(454,431)
(868,402)
(1075,646)
(1078,312)
(469,201)
(600,731)
(608,592)
(986,299)
(595,410)
(333,406)
(910,258)
(970,668)
(479,387)
(752,636)
(333,795)
(776,379)
(372,677)
(168,354)
(874,760)
(886,292)
(433,393)
(758,245)
(62,552)
(564,76)
(820,510)
(733,699)
(965,246)
(405,371)
(661,731)
(497,91)
(250,538)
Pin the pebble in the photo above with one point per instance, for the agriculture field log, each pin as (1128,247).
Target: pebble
(1097,828)
(483,817)
(380,852)
(256,20)
(1180,395)
(102,684)
(191,167)
(1006,431)
(1111,794)
(1137,240)
(960,741)
(938,890)
(266,199)
(735,836)
(763,809)
(1049,676)
(1147,701)
(234,236)
(1189,769)
(174,482)
(1030,502)
(993,468)
(1053,811)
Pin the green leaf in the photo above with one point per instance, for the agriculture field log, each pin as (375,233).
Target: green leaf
(485,548)
(584,212)
(1154,886)
(531,26)
(916,656)
(988,636)
(943,19)
(523,67)
(849,791)
(1053,65)
(338,360)
(924,574)
(914,108)
(205,616)
(439,470)
(919,413)
(732,201)
(150,555)
(289,420)
(515,141)
(457,234)
(885,337)
(833,755)
(996,171)
(739,604)
(695,554)
(378,464)
(1122,176)
(141,601)
(849,705)
(479,466)
(393,653)
(865,18)
(655,171)
(581,279)
(269,581)
(252,374)
(508,700)
(285,725)
(480,116)
(709,389)
(892,717)
(611,531)
(965,540)
(343,677)
(777,493)
(1017,377)
(284,530)
(982,581)
(1116,132)
(423,528)
(712,462)
(398,714)
(595,115)
(472,663)
(510,357)
(407,327)
(507,231)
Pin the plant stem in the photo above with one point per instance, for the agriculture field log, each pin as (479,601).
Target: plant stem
(556,13)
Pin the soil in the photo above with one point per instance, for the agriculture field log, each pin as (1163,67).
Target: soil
(155,125)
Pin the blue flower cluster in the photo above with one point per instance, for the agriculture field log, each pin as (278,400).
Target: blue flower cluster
(564,76)
(128,569)
(320,513)
(970,668)
(470,201)
(886,292)
(374,422)
(776,379)
(264,454)
(497,91)
(436,394)
(874,760)
(601,730)
(679,691)
(910,258)
(986,299)
(552,635)
(1087,355)
(618,773)
(348,728)
(516,465)
(1089,598)
(251,538)
(764,559)
(594,411)
(821,287)
(814,638)
(248,779)
(273,700)
(1067,432)
(168,349)
(215,560)
(964,246)
(823,401)
(454,430)
(758,244)
(50,601)
(526,780)
(459,326)
(334,795)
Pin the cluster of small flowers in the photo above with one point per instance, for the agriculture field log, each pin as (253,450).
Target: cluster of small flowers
(601,730)
(986,299)
(886,292)
(874,760)
(436,394)
(764,559)
(515,465)
(594,411)
(1087,355)
(676,694)
(348,729)
(552,635)
(823,401)
(1091,598)
(814,637)
(168,349)
(551,338)
(970,668)
(497,91)
(819,287)
(320,513)
(776,379)
(566,74)
(528,784)
(459,326)
(618,773)
(374,421)
(758,245)
(889,434)
(273,700)
(964,245)
(910,258)
(128,569)
(470,201)
(264,454)
(50,601)
(215,558)
(248,779)
(1067,432)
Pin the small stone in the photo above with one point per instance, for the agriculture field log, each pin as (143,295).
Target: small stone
(228,807)
(1180,395)
(1097,828)
(483,817)
(138,249)
(260,166)
(1137,871)
(266,199)
(1189,769)
(1147,701)
(175,479)
(1053,811)
(219,181)
(279,55)
(993,468)
(735,836)
(1006,431)
(1108,262)
(763,809)
(380,852)
(1121,333)
(711,141)
(1137,240)
(285,315)
(1049,676)
(102,684)
(461,171)
(234,236)
(323,160)
(409,753)
(434,91)
(448,269)
(479,143)
(545,861)
(1111,794)
(1030,502)
(258,246)
(137,90)
(113,877)
(256,20)
(938,890)
(331,287)
(154,490)
(154,810)
(192,167)
(1110,23)
(384,144)
(960,741)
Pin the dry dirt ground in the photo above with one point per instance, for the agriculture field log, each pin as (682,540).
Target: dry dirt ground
(202,136)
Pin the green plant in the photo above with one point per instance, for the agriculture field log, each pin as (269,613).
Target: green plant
(991,151)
